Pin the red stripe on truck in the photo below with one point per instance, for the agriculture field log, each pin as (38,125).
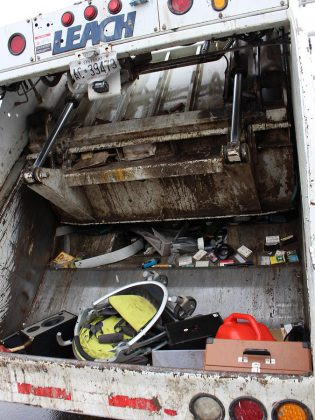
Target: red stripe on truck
(172,413)
(123,401)
(44,391)
(152,405)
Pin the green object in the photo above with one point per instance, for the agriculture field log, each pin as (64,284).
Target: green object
(280,258)
(133,313)
(89,341)
(136,310)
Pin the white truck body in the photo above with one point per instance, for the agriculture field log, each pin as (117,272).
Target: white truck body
(116,391)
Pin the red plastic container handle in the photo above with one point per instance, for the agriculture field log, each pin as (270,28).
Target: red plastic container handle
(250,319)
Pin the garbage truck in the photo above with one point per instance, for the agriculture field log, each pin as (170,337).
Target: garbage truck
(137,117)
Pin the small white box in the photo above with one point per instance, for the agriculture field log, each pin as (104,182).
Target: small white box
(244,251)
(272,240)
(185,260)
(265,260)
(280,253)
(199,255)
(240,259)
(202,264)
(201,243)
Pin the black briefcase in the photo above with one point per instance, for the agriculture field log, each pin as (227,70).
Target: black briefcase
(192,333)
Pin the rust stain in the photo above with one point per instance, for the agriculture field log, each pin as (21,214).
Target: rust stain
(119,175)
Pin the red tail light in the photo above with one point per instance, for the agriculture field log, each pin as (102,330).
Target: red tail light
(179,7)
(90,13)
(17,44)
(67,19)
(114,6)
(247,409)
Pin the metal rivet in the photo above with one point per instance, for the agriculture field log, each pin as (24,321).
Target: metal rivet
(164,27)
(220,15)
(155,29)
(31,59)
(282,3)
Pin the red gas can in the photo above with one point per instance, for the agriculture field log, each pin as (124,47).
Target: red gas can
(249,330)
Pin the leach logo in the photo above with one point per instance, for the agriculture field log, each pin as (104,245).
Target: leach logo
(95,32)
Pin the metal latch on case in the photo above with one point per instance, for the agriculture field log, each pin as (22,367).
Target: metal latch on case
(255,367)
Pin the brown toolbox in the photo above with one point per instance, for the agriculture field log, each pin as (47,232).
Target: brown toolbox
(289,358)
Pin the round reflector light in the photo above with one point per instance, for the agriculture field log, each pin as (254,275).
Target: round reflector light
(219,4)
(179,7)
(17,44)
(291,410)
(67,19)
(247,409)
(114,6)
(206,407)
(90,13)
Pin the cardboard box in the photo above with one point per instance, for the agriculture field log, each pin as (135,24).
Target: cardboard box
(275,357)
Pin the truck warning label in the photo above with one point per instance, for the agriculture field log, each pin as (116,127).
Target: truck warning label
(41,49)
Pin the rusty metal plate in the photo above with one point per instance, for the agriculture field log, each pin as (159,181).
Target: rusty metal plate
(190,181)
(185,179)
(275,177)
(26,233)
(150,169)
(194,124)
(229,192)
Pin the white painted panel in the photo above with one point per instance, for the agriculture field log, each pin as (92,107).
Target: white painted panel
(303,97)
(122,392)
(202,11)
(156,41)
(8,60)
(51,38)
